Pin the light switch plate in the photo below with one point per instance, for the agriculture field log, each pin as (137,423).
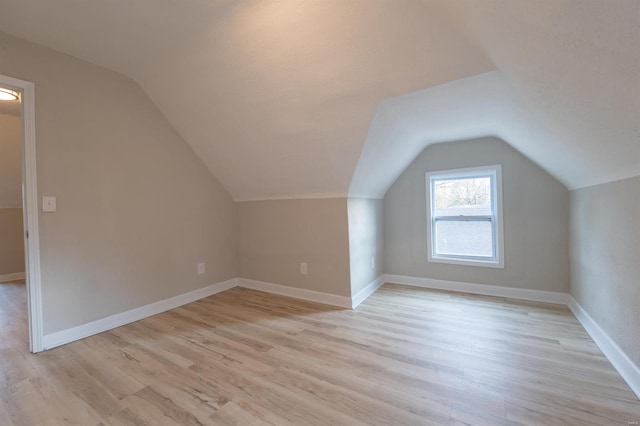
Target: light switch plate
(48,204)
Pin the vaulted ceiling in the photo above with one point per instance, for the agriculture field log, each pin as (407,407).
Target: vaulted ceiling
(299,98)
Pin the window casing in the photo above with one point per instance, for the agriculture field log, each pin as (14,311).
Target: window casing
(464,209)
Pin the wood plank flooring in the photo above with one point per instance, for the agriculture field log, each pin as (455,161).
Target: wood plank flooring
(406,356)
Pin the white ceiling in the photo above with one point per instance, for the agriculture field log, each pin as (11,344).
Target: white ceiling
(277,97)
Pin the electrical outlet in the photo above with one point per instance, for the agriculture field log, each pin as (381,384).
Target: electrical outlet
(303,268)
(201,268)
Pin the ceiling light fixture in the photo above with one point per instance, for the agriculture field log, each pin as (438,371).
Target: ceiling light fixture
(8,95)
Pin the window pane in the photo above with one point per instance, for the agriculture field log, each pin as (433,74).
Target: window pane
(464,238)
(467,197)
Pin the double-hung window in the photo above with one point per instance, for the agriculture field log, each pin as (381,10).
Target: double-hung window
(465,216)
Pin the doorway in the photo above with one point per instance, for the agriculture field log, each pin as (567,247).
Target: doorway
(17,118)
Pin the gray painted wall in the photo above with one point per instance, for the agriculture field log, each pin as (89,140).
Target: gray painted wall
(605,259)
(366,240)
(536,219)
(137,210)
(276,236)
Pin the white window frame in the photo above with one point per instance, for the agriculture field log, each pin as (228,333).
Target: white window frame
(495,173)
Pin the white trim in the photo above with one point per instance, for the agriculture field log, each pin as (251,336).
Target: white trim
(493,171)
(620,361)
(30,209)
(63,337)
(98,326)
(12,277)
(364,294)
(321,196)
(297,293)
(616,356)
(483,289)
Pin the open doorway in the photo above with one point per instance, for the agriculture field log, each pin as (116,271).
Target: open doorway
(13,289)
(20,295)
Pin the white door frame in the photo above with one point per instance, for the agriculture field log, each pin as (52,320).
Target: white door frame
(30,209)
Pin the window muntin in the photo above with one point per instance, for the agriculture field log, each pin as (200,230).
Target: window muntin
(465,216)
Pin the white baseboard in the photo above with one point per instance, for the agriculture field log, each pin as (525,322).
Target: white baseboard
(483,289)
(297,293)
(620,361)
(627,369)
(12,277)
(363,294)
(94,327)
(98,326)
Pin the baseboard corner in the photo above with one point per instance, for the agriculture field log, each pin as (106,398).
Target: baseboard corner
(297,293)
(13,277)
(618,358)
(367,291)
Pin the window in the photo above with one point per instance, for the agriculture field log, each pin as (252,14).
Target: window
(465,216)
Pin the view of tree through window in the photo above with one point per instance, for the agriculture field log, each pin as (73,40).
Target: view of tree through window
(463,216)
(468,197)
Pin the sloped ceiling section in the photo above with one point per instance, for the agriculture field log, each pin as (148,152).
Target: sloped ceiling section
(277,97)
(404,126)
(573,71)
(567,94)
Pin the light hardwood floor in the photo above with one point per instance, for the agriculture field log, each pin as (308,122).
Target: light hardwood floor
(405,356)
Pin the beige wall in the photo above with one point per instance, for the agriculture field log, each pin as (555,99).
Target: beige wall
(536,219)
(605,264)
(276,236)
(10,161)
(136,209)
(11,241)
(366,239)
